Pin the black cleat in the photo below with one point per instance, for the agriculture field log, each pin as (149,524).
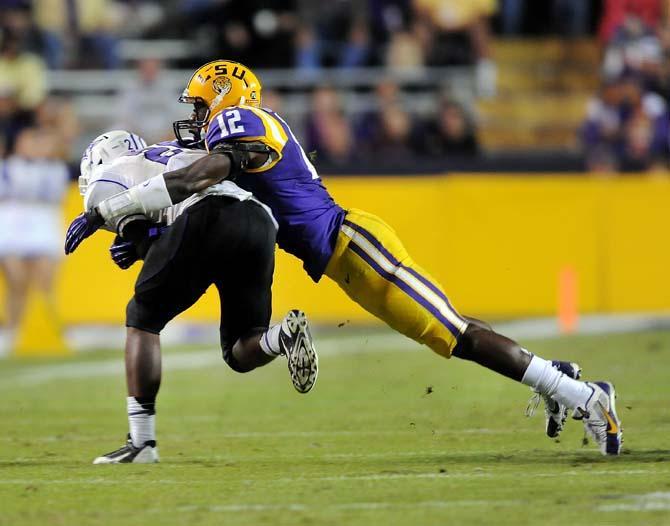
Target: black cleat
(129,454)
(297,345)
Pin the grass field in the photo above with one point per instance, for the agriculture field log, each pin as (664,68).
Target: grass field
(390,435)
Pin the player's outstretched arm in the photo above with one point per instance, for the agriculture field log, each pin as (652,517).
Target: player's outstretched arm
(226,161)
(196,177)
(160,192)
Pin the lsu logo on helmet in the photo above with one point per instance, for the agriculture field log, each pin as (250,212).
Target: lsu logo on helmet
(216,85)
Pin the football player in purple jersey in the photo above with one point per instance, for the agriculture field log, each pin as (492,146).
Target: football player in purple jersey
(255,147)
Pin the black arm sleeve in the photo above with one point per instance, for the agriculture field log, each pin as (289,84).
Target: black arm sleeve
(238,159)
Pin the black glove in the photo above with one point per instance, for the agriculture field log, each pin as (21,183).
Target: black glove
(125,253)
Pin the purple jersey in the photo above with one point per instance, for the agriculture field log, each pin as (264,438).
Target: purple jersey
(309,219)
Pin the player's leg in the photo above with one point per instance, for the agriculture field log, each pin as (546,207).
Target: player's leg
(170,281)
(372,266)
(143,366)
(143,378)
(245,289)
(291,338)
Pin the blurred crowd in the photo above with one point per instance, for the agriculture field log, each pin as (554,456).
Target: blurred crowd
(628,123)
(281,33)
(39,35)
(387,132)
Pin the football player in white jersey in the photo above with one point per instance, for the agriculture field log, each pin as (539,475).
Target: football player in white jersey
(221,236)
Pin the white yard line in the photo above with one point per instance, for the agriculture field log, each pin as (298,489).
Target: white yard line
(379,477)
(187,360)
(364,506)
(658,501)
(263,435)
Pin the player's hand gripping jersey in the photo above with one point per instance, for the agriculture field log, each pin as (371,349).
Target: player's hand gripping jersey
(309,220)
(137,167)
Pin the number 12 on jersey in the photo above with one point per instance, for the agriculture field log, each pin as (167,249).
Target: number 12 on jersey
(231,124)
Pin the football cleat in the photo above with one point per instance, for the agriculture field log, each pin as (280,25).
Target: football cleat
(600,419)
(129,454)
(297,345)
(555,413)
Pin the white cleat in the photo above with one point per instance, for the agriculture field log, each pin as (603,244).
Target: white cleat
(129,454)
(297,345)
(600,418)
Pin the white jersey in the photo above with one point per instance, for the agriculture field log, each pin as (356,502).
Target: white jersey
(132,169)
(31,191)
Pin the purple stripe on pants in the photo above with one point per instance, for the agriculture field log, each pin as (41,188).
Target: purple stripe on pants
(377,244)
(406,289)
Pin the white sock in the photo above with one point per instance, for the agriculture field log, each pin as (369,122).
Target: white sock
(270,340)
(142,421)
(546,379)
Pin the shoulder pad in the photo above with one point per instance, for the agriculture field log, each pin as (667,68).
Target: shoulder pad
(245,123)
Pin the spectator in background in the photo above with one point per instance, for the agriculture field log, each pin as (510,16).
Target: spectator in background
(645,120)
(332,34)
(387,93)
(57,116)
(634,48)
(405,50)
(32,186)
(272,99)
(78,25)
(16,16)
(392,139)
(662,80)
(254,32)
(452,132)
(12,120)
(512,14)
(327,128)
(387,130)
(601,130)
(21,73)
(570,17)
(461,35)
(628,123)
(146,105)
(388,17)
(615,13)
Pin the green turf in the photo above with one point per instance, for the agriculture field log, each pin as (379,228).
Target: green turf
(369,446)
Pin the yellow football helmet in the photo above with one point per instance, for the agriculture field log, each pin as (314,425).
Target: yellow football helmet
(213,87)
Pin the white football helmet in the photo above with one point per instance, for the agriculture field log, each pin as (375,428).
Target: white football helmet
(104,149)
